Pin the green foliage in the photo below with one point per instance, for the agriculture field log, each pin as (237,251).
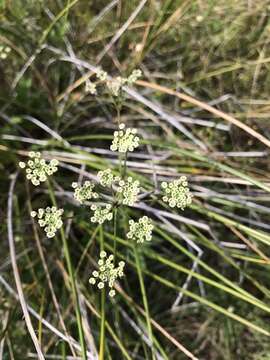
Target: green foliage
(203,277)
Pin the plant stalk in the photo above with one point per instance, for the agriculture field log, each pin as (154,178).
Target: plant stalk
(72,280)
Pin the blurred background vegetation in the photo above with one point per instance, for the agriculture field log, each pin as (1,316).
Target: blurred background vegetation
(216,51)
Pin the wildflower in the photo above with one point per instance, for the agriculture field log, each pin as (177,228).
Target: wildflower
(37,170)
(101,214)
(84,192)
(108,272)
(141,230)
(125,140)
(4,51)
(177,193)
(106,177)
(90,87)
(101,74)
(129,190)
(49,219)
(135,75)
(115,85)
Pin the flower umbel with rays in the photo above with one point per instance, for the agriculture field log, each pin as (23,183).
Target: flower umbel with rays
(129,190)
(37,169)
(177,193)
(114,84)
(108,273)
(125,139)
(134,76)
(106,178)
(50,219)
(101,214)
(84,192)
(101,74)
(141,230)
(90,87)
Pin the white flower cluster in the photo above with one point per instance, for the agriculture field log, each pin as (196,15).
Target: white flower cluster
(91,87)
(129,191)
(177,193)
(106,177)
(101,214)
(125,140)
(134,76)
(84,192)
(4,51)
(141,230)
(37,170)
(115,84)
(107,273)
(101,74)
(49,219)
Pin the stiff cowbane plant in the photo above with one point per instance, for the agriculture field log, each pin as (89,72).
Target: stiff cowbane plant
(107,199)
(125,192)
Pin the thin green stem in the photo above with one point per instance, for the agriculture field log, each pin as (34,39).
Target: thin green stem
(86,249)
(114,233)
(145,302)
(125,166)
(118,113)
(102,313)
(72,280)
